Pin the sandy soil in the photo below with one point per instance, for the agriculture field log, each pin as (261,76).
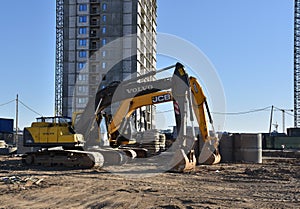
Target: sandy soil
(274,184)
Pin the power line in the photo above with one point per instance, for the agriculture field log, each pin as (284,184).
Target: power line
(236,113)
(7,102)
(289,114)
(243,112)
(285,111)
(29,108)
(32,110)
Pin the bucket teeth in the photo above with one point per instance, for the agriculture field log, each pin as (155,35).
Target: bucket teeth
(182,162)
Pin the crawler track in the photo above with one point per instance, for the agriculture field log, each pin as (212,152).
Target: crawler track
(64,158)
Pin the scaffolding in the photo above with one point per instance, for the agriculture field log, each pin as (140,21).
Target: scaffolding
(59,57)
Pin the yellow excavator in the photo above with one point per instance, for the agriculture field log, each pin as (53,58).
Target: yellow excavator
(186,94)
(58,143)
(63,142)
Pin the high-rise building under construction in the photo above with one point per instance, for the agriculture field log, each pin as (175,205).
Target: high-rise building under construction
(84,27)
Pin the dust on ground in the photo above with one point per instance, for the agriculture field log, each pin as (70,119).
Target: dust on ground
(273,184)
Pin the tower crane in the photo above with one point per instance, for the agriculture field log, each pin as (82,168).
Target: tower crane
(297,64)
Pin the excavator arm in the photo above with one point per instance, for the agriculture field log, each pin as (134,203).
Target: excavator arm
(210,152)
(198,102)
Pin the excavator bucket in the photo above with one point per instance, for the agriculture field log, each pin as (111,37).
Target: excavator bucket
(210,153)
(212,159)
(183,163)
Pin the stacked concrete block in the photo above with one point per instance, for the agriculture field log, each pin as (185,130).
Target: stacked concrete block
(153,141)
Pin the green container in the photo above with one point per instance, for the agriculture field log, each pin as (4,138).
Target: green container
(286,142)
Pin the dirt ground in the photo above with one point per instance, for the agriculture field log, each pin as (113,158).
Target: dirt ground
(273,184)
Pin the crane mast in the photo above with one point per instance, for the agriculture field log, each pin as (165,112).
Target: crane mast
(59,57)
(297,64)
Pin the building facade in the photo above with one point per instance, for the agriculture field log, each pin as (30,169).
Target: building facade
(94,48)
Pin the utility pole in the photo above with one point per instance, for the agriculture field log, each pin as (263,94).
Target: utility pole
(17,119)
(283,118)
(283,121)
(271,119)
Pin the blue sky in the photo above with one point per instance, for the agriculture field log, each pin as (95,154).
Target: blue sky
(250,43)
